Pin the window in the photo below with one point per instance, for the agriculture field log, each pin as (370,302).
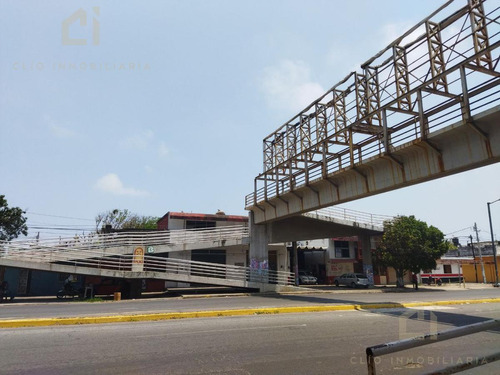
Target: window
(198,224)
(342,249)
(447,268)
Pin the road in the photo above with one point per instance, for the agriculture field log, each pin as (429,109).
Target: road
(19,310)
(306,343)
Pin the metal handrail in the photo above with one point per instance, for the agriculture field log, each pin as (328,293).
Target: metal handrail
(350,215)
(125,263)
(118,239)
(396,346)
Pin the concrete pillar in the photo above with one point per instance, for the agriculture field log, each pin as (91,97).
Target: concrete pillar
(367,257)
(259,262)
(295,262)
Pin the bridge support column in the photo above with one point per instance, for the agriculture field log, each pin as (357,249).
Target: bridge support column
(367,257)
(259,254)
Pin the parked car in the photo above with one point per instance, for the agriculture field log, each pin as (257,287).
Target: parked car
(353,280)
(306,278)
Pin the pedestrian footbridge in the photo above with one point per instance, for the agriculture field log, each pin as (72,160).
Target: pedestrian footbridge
(145,254)
(124,255)
(425,107)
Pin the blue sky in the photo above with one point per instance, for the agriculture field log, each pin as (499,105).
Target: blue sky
(166,105)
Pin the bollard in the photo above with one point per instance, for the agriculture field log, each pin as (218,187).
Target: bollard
(117,296)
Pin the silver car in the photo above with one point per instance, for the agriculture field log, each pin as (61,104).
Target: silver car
(307,278)
(353,280)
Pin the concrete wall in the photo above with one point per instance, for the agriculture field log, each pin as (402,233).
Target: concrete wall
(282,253)
(237,256)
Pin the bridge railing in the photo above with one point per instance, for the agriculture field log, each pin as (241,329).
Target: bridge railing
(350,215)
(195,268)
(126,239)
(133,263)
(446,74)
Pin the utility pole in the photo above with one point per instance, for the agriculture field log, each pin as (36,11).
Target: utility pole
(474,257)
(480,253)
(493,244)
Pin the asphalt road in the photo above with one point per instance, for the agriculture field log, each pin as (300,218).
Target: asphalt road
(20,310)
(306,343)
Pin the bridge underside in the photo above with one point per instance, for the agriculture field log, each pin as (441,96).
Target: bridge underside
(298,228)
(456,148)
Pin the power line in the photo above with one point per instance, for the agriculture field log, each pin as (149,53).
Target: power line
(460,230)
(59,228)
(33,224)
(62,217)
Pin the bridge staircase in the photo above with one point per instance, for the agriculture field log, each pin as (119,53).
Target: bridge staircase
(116,255)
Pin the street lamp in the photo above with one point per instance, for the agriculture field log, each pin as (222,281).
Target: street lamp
(493,243)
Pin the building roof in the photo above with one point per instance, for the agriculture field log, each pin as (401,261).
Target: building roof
(206,217)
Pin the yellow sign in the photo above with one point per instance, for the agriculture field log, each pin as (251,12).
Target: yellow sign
(138,255)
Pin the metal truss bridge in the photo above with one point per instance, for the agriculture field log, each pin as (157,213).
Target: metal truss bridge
(425,107)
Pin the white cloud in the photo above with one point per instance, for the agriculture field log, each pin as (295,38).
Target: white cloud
(58,130)
(111,183)
(163,151)
(289,85)
(61,132)
(145,141)
(139,141)
(392,31)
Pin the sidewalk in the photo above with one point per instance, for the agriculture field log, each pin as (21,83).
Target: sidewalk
(208,292)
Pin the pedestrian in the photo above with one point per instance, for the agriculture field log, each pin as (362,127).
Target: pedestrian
(414,280)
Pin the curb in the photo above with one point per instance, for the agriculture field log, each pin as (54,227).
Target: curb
(44,322)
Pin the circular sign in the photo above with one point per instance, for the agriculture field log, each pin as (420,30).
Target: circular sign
(150,249)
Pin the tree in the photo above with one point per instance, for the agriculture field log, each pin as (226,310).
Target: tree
(124,219)
(12,221)
(411,245)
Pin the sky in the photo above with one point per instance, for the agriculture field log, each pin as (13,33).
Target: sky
(162,106)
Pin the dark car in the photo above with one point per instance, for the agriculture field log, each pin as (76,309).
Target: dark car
(353,280)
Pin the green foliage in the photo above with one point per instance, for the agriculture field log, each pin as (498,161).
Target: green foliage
(142,222)
(411,245)
(124,219)
(12,221)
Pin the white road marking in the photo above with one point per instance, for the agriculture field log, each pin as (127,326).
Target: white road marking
(433,308)
(225,330)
